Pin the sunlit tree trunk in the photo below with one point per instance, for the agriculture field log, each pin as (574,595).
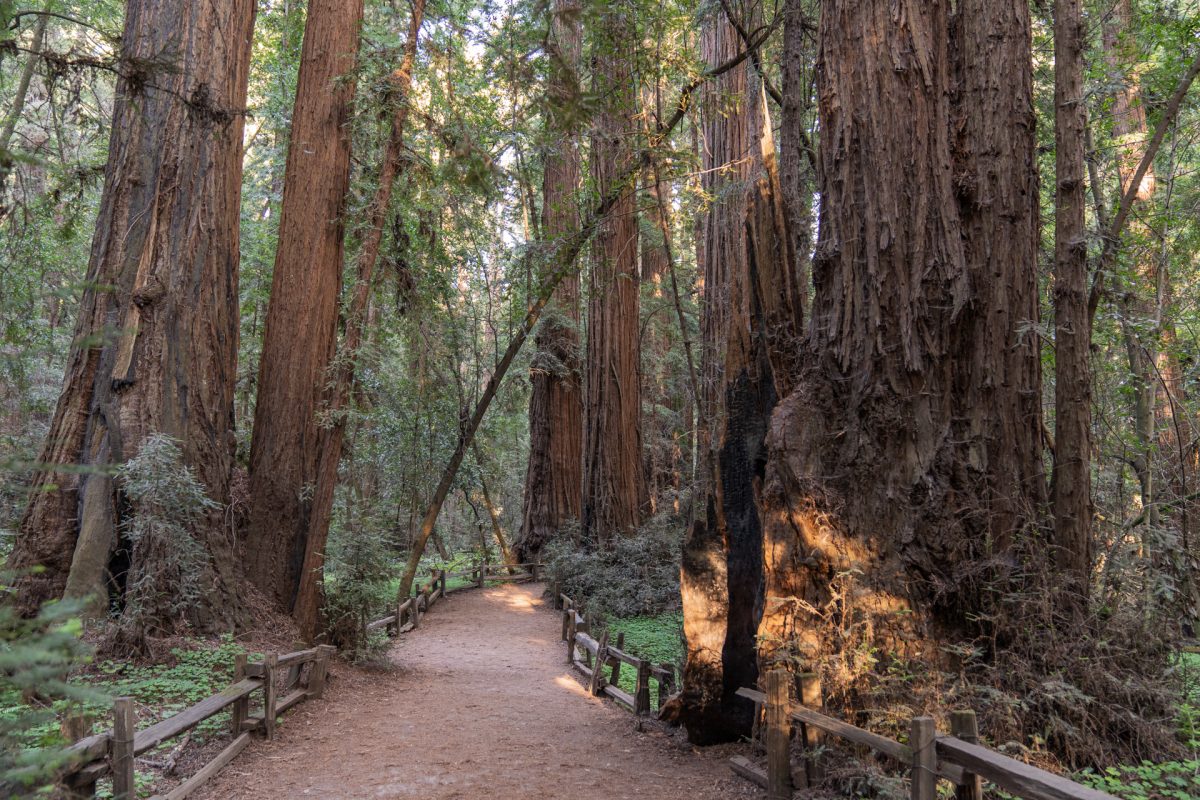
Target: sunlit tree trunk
(300,336)
(554,473)
(750,326)
(155,347)
(910,446)
(614,486)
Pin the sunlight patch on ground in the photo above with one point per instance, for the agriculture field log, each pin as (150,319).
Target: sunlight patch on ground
(518,601)
(572,685)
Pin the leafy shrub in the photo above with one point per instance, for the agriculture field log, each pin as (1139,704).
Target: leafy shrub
(1172,780)
(360,584)
(36,657)
(639,576)
(169,564)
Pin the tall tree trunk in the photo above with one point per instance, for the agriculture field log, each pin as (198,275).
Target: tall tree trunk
(750,324)
(909,447)
(155,345)
(1072,324)
(614,485)
(300,336)
(553,478)
(310,594)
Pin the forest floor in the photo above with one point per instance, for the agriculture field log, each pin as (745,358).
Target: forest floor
(476,703)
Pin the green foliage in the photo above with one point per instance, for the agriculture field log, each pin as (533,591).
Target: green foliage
(638,576)
(359,587)
(170,564)
(1172,780)
(36,658)
(656,638)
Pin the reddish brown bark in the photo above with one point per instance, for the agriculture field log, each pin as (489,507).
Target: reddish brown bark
(614,486)
(310,593)
(300,336)
(155,345)
(750,326)
(553,479)
(909,449)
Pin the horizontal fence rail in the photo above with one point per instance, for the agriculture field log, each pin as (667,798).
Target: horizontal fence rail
(274,685)
(591,657)
(958,758)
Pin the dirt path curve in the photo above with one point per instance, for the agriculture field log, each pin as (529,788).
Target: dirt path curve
(480,704)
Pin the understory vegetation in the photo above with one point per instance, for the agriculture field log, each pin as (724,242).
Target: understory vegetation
(856,340)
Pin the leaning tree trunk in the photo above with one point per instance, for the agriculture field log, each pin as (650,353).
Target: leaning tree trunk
(751,311)
(909,450)
(614,485)
(300,337)
(553,478)
(155,346)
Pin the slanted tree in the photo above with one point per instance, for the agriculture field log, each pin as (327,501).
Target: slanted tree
(553,478)
(908,453)
(751,316)
(300,336)
(156,335)
(614,484)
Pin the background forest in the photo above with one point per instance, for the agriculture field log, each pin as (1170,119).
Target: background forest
(862,338)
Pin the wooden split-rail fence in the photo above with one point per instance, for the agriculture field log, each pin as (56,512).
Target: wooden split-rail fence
(593,656)
(261,691)
(958,758)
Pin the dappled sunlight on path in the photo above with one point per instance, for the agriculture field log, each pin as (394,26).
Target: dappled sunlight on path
(480,704)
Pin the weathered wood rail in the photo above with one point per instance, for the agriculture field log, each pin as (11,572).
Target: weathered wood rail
(958,758)
(280,682)
(592,657)
(277,683)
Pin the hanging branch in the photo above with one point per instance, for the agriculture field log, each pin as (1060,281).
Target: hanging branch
(563,260)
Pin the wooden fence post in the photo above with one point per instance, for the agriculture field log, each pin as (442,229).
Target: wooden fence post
(598,668)
(416,610)
(922,734)
(445,583)
(124,729)
(963,725)
(641,696)
(572,629)
(533,570)
(320,671)
(810,697)
(479,574)
(269,663)
(566,624)
(75,787)
(616,667)
(666,684)
(241,706)
(779,736)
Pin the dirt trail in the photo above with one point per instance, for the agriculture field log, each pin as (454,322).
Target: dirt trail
(479,704)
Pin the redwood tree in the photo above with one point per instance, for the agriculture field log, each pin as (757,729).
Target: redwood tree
(300,337)
(1072,323)
(908,456)
(750,325)
(614,485)
(554,475)
(155,344)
